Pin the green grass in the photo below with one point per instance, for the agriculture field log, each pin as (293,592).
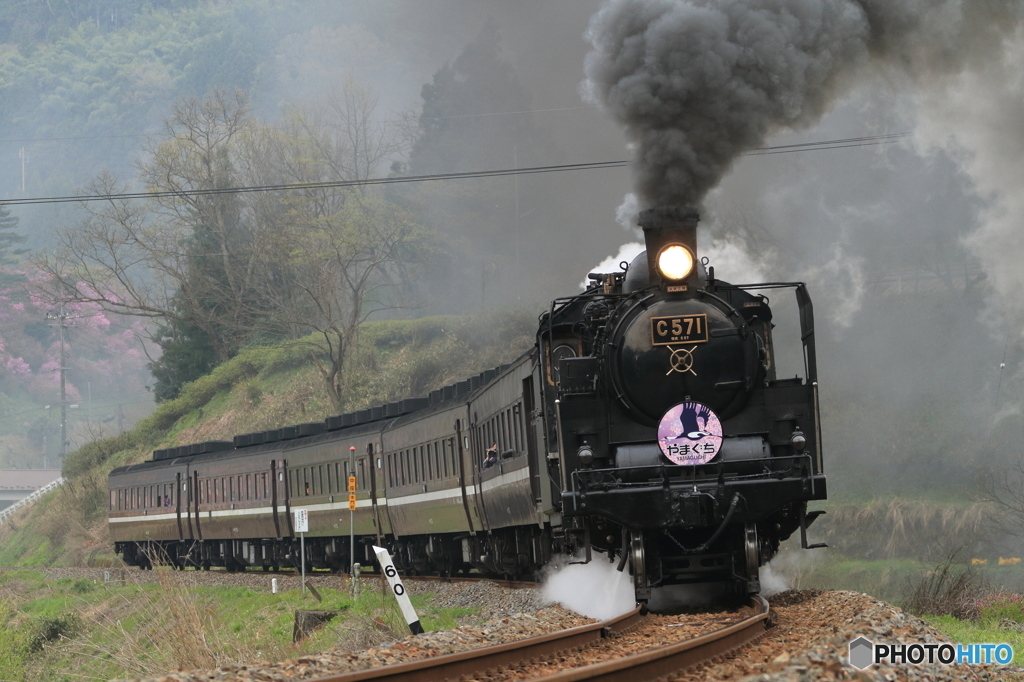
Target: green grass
(971,632)
(117,630)
(886,580)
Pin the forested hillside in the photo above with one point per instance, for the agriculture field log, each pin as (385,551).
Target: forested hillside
(191,99)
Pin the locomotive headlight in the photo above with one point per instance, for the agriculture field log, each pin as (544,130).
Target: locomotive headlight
(798,440)
(675,262)
(585,455)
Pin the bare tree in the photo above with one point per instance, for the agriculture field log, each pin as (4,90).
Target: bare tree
(344,268)
(244,265)
(186,256)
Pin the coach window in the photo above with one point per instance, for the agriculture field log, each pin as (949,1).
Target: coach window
(362,474)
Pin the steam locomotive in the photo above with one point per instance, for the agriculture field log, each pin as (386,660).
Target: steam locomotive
(646,426)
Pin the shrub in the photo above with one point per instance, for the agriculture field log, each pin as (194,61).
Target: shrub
(1001,607)
(952,588)
(53,628)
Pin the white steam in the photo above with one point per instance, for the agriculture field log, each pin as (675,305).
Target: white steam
(627,215)
(841,285)
(732,260)
(595,589)
(772,582)
(978,117)
(627,252)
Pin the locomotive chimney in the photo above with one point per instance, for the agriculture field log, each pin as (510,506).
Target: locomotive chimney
(670,233)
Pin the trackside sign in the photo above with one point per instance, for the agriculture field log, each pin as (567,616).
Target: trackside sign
(388,567)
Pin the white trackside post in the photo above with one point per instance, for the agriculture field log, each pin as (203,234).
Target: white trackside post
(301,522)
(386,565)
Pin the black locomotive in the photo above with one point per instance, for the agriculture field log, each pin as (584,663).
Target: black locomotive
(647,424)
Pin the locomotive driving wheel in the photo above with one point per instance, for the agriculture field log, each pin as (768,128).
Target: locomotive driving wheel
(752,557)
(638,566)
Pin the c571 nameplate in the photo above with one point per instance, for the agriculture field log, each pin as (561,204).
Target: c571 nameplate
(679,329)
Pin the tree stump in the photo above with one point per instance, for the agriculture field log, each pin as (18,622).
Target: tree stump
(308,621)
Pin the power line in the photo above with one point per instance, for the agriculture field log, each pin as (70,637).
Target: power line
(830,144)
(340,184)
(71,138)
(332,184)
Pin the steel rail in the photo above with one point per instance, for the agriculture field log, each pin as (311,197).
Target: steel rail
(454,666)
(655,663)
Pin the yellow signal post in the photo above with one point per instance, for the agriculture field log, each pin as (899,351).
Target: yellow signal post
(352,518)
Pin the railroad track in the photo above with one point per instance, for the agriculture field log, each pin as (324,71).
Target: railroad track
(535,658)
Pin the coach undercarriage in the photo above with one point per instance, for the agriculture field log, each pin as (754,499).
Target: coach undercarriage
(509,553)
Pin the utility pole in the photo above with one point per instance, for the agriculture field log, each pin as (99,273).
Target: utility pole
(23,155)
(62,320)
(120,420)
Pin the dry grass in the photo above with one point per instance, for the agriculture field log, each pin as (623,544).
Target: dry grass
(145,632)
(893,528)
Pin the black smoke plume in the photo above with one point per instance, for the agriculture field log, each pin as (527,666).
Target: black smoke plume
(696,83)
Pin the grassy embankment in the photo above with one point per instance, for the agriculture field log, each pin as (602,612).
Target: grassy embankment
(74,629)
